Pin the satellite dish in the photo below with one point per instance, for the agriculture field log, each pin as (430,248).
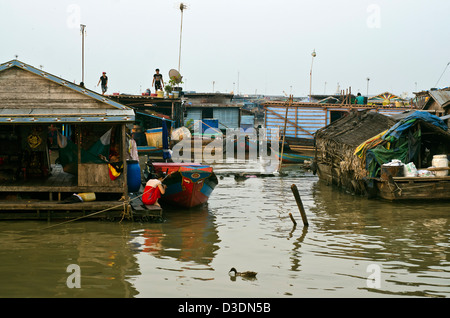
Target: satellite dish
(175,76)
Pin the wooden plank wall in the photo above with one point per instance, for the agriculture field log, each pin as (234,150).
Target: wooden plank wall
(20,89)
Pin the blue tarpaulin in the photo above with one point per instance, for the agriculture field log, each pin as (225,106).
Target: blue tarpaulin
(396,131)
(165,140)
(400,142)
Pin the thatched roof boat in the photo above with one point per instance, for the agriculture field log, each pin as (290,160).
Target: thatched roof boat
(354,153)
(336,143)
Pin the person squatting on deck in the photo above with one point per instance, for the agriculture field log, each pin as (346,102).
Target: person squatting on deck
(153,191)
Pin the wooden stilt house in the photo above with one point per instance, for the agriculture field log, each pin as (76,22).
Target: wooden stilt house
(56,139)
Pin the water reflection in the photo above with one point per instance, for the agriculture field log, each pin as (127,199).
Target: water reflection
(186,236)
(34,262)
(245,225)
(407,239)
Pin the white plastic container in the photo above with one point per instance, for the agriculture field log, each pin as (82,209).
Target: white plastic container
(440,161)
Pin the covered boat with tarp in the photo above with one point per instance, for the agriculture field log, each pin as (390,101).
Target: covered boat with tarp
(415,140)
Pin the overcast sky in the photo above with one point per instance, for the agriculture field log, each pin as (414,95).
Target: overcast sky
(254,46)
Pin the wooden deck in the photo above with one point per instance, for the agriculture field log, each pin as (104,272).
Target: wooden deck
(43,198)
(50,210)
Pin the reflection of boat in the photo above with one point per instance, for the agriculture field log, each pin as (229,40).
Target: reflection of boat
(188,184)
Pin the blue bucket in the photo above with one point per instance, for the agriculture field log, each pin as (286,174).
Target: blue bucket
(133,175)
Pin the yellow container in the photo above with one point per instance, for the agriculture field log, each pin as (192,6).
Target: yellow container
(154,137)
(89,196)
(160,94)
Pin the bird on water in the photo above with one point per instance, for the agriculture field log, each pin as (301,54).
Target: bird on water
(248,274)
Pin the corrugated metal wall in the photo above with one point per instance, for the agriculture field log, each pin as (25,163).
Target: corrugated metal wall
(302,121)
(228,117)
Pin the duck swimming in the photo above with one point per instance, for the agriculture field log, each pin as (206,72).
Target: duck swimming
(248,274)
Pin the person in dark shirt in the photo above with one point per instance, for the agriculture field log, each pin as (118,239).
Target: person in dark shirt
(158,81)
(104,80)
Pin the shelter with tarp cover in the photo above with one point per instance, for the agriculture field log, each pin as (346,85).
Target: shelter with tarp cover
(353,151)
(335,161)
(58,138)
(415,139)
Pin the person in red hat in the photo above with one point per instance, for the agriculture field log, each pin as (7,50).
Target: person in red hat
(104,80)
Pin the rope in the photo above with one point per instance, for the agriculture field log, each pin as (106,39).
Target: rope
(126,211)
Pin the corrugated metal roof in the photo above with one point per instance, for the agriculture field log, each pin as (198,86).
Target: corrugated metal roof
(119,112)
(441,97)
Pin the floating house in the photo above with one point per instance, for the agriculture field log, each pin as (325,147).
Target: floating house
(216,106)
(58,139)
(436,101)
(302,120)
(368,153)
(335,161)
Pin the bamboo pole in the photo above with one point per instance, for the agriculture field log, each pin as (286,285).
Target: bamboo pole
(284,132)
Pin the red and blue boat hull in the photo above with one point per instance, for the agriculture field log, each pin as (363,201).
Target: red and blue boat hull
(188,186)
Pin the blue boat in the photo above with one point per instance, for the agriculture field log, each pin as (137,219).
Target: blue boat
(292,157)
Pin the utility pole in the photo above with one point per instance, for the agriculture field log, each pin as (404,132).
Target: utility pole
(368,79)
(82,51)
(310,73)
(182,7)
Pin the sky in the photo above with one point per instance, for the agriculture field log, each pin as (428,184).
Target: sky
(242,46)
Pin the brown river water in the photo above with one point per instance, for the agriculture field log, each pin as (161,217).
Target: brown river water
(353,247)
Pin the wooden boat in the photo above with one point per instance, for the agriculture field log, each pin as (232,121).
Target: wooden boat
(150,150)
(292,157)
(303,146)
(188,184)
(413,188)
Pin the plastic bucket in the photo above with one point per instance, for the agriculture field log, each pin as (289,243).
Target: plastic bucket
(440,161)
(133,175)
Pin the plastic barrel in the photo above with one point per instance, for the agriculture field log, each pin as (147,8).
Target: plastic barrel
(133,175)
(440,161)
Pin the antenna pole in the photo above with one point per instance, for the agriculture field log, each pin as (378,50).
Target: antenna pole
(82,51)
(182,6)
(442,74)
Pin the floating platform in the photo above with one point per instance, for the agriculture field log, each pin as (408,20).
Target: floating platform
(51,210)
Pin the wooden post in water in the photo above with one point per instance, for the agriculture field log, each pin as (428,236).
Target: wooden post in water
(299,204)
(292,219)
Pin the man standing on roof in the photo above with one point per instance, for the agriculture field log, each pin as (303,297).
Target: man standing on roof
(158,81)
(104,80)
